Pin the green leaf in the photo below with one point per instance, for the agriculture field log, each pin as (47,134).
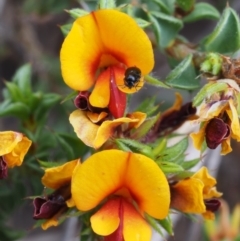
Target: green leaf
(168,27)
(166,224)
(160,147)
(174,152)
(155,82)
(183,76)
(78,147)
(77,12)
(142,23)
(14,91)
(70,96)
(106,4)
(66,29)
(153,223)
(202,11)
(122,146)
(166,6)
(139,147)
(169,167)
(17,109)
(189,164)
(23,79)
(185,5)
(208,90)
(145,127)
(47,101)
(225,38)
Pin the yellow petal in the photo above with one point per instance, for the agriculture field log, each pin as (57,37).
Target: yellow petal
(198,138)
(49,223)
(8,140)
(233,115)
(107,130)
(101,93)
(135,228)
(106,220)
(15,146)
(96,117)
(57,177)
(83,127)
(103,37)
(124,39)
(208,181)
(226,146)
(136,115)
(113,169)
(80,53)
(187,196)
(94,135)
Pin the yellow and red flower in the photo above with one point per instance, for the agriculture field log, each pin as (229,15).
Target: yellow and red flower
(196,194)
(13,148)
(219,119)
(94,130)
(52,206)
(96,53)
(123,186)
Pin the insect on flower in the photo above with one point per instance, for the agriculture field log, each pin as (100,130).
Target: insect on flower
(132,77)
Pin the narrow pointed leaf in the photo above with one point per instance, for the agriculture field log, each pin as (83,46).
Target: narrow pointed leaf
(106,4)
(174,152)
(77,12)
(155,82)
(189,164)
(170,167)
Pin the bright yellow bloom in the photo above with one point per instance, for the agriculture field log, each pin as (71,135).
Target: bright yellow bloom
(98,50)
(52,206)
(221,112)
(13,147)
(190,195)
(127,185)
(85,124)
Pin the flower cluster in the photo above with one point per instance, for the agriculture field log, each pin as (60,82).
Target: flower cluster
(130,179)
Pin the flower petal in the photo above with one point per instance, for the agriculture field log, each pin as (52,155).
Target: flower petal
(103,33)
(135,228)
(20,149)
(113,169)
(226,146)
(83,127)
(124,39)
(148,184)
(106,220)
(107,129)
(57,177)
(198,138)
(187,196)
(208,181)
(8,140)
(233,115)
(101,93)
(80,53)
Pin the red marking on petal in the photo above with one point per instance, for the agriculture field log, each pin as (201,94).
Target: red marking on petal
(118,99)
(216,131)
(212,205)
(117,235)
(3,168)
